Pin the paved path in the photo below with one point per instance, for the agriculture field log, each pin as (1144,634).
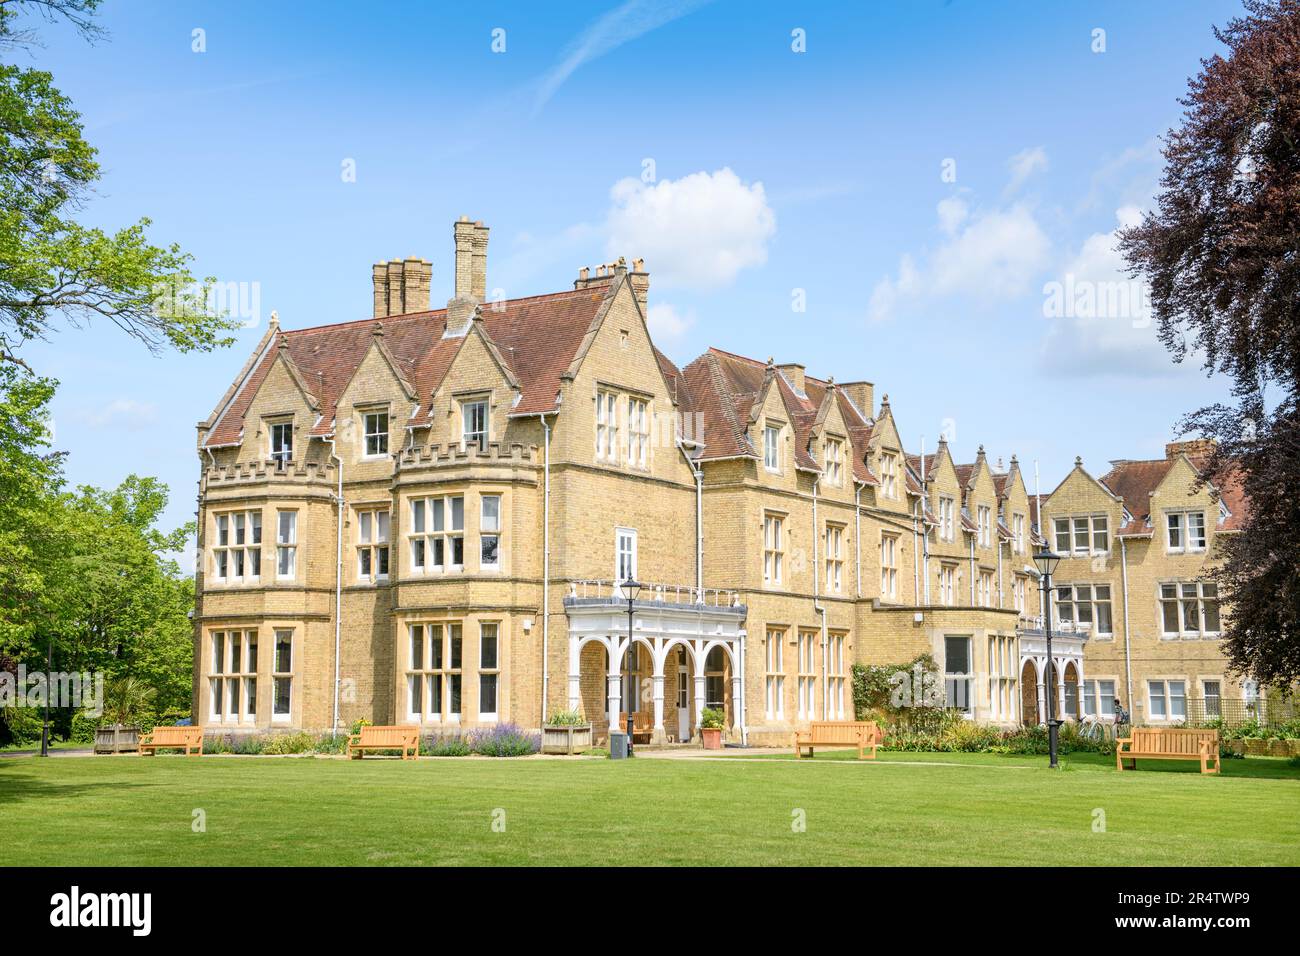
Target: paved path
(79,752)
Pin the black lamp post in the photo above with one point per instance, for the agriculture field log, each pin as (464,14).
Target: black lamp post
(49,689)
(1047,562)
(631,589)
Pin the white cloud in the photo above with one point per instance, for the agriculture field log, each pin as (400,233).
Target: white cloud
(666,322)
(609,32)
(1101,319)
(698,232)
(126,412)
(987,256)
(1024,164)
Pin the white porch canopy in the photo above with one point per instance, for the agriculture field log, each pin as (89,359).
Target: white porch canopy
(659,626)
(1067,648)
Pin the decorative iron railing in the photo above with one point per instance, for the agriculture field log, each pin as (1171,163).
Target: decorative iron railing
(656,592)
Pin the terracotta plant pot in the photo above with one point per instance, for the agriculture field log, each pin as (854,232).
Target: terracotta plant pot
(712,737)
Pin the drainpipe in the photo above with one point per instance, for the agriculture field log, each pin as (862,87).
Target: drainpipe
(972,572)
(338,585)
(857,533)
(1128,658)
(743,712)
(546,565)
(816,585)
(925,535)
(698,472)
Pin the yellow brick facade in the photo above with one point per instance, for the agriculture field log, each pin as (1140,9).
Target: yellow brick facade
(868,570)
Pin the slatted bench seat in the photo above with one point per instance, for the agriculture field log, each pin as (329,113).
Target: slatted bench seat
(863,734)
(1169,743)
(405,739)
(189,739)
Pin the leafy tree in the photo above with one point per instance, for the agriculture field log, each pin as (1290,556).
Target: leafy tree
(1221,252)
(55,266)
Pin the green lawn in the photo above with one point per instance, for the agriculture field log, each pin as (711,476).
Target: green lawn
(930,809)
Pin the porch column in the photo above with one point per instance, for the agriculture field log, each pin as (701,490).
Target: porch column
(737,702)
(575,675)
(699,700)
(1042,692)
(614,681)
(1059,668)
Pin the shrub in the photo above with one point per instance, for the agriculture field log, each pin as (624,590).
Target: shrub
(505,740)
(281,744)
(330,744)
(445,745)
(83,728)
(713,718)
(566,718)
(23,723)
(359,723)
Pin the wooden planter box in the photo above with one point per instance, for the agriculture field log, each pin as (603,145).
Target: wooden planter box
(116,740)
(566,740)
(711,737)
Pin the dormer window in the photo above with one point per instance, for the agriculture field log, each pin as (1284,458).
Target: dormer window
(771,448)
(834,462)
(376,433)
(889,475)
(1185,531)
(984,520)
(474,424)
(282,442)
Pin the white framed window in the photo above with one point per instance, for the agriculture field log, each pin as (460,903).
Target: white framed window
(774,679)
(437,534)
(957,673)
(1082,534)
(984,589)
(889,475)
(806,686)
(372,545)
(474,424)
(1212,696)
(772,448)
(434,672)
(1189,609)
(286,544)
(1085,607)
(947,509)
(638,432)
(1003,662)
(1099,699)
(773,549)
(1167,700)
(281,435)
(375,433)
(835,679)
(1184,531)
(1018,593)
(489,526)
(834,462)
(834,558)
(232,684)
(237,546)
(948,584)
(606,426)
(489,669)
(282,676)
(984,522)
(888,567)
(1018,533)
(624,555)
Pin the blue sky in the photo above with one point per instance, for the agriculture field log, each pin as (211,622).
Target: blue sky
(688,133)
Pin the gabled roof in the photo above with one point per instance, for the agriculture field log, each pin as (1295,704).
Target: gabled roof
(1135,481)
(728,389)
(535,339)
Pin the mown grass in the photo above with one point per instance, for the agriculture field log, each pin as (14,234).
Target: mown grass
(923,809)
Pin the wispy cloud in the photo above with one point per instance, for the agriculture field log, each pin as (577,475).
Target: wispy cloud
(627,22)
(122,413)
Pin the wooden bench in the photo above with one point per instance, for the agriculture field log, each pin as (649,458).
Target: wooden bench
(168,738)
(385,738)
(642,728)
(863,734)
(1169,743)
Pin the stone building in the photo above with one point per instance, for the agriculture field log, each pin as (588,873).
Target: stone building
(1135,544)
(426,516)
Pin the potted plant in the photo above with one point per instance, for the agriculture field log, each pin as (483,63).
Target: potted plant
(711,723)
(566,732)
(126,700)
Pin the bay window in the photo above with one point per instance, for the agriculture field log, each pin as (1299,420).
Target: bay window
(237,547)
(437,534)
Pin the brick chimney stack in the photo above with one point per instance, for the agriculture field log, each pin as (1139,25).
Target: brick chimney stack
(463,233)
(1195,448)
(471,275)
(640,280)
(401,286)
(793,373)
(862,395)
(478,265)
